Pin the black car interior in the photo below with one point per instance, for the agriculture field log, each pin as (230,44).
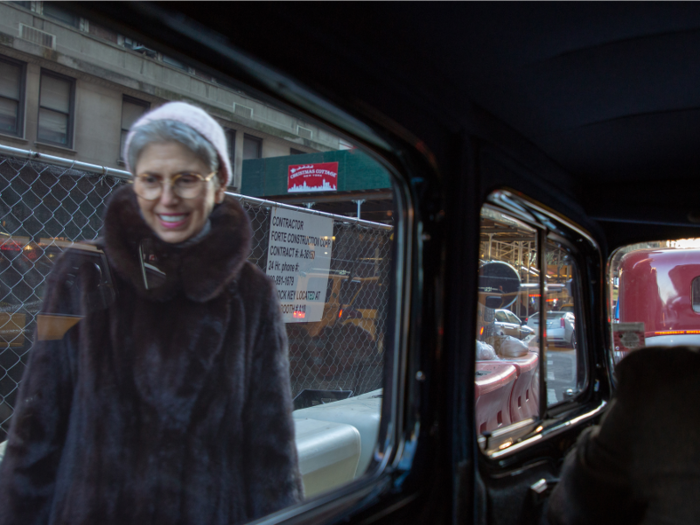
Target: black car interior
(581,120)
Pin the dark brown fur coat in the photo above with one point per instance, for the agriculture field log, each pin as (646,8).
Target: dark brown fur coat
(164,406)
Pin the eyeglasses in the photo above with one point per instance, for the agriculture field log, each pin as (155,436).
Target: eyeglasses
(186,185)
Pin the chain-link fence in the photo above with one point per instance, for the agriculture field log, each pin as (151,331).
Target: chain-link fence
(42,205)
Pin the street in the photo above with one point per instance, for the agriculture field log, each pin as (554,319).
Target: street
(561,373)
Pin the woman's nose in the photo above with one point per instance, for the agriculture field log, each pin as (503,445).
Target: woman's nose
(168,197)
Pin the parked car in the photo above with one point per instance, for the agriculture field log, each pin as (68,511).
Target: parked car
(661,290)
(512,325)
(561,327)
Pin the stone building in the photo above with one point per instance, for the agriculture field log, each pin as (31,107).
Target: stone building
(71,88)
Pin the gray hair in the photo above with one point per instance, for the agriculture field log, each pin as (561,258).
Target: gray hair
(161,131)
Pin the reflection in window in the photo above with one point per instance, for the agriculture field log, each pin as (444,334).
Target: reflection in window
(56,109)
(507,368)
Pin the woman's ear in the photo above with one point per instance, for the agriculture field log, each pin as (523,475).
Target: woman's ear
(219,194)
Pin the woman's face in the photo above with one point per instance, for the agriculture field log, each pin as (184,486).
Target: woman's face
(171,217)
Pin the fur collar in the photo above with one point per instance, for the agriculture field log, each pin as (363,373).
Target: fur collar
(200,271)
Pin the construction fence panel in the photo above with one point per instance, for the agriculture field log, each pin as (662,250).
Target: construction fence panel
(43,205)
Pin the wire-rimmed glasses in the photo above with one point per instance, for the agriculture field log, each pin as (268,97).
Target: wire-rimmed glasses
(187,185)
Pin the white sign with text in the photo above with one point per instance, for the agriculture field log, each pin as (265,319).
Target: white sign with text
(298,260)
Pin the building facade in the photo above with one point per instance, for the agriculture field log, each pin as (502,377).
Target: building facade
(72,88)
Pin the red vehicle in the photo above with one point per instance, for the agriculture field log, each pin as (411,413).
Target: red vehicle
(661,288)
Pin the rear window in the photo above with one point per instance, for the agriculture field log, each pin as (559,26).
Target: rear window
(654,295)
(695,294)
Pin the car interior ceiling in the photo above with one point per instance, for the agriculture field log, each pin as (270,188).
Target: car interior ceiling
(593,109)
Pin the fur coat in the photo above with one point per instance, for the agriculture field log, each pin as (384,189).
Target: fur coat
(641,465)
(169,405)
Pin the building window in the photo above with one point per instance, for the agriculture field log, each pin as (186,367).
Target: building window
(231,141)
(252,147)
(293,151)
(11,97)
(56,109)
(26,5)
(132,109)
(52,10)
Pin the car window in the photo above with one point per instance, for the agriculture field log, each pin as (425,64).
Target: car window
(327,253)
(653,294)
(519,373)
(563,382)
(501,316)
(507,368)
(512,318)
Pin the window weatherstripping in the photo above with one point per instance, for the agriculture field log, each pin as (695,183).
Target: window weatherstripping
(11,97)
(56,109)
(132,109)
(252,147)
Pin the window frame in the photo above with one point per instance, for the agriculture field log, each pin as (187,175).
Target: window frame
(404,400)
(71,109)
(21,102)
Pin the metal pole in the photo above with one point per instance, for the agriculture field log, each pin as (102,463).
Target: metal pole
(359,206)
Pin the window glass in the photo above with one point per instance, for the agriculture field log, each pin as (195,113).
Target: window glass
(561,335)
(231,142)
(55,107)
(26,5)
(695,294)
(10,97)
(331,272)
(53,126)
(55,93)
(9,80)
(654,300)
(132,109)
(509,352)
(54,11)
(252,147)
(507,367)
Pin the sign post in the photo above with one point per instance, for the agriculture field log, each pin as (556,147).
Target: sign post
(298,260)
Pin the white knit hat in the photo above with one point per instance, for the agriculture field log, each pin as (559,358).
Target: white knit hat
(197,119)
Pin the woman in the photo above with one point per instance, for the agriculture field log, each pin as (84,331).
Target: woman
(169,402)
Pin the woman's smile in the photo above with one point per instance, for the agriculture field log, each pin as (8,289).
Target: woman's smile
(173,220)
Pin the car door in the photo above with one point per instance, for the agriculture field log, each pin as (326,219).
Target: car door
(530,408)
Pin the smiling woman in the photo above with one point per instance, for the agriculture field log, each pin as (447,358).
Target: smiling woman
(178,388)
